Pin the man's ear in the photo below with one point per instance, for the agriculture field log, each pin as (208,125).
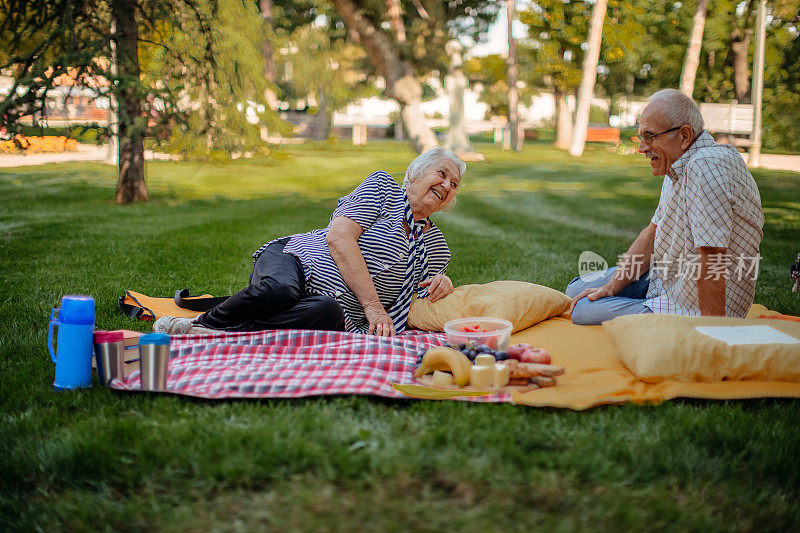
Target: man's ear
(687,136)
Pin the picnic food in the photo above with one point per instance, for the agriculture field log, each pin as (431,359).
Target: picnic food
(501,375)
(473,351)
(481,376)
(491,332)
(519,370)
(528,354)
(492,370)
(484,359)
(442,378)
(444,358)
(486,374)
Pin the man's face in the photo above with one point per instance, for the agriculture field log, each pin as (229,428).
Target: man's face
(666,148)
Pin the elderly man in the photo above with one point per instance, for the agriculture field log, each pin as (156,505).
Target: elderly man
(699,255)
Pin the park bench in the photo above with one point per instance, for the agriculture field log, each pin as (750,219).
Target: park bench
(602,134)
(47,143)
(729,122)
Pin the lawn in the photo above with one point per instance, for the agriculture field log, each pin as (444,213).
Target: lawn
(99,459)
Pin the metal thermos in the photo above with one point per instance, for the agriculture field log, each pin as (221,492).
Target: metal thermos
(154,361)
(109,354)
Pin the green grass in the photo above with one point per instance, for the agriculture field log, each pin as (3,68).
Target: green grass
(98,459)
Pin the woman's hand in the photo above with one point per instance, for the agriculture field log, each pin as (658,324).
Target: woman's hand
(439,286)
(342,240)
(380,323)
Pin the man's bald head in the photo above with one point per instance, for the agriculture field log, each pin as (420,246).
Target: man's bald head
(669,125)
(677,109)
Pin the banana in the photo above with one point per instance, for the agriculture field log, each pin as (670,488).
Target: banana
(444,358)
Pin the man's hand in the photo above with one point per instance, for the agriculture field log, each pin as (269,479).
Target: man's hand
(593,294)
(380,323)
(439,286)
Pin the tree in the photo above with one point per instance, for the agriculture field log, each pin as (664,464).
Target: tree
(265,7)
(210,108)
(586,92)
(556,31)
(782,80)
(401,63)
(693,50)
(181,67)
(279,21)
(131,123)
(327,73)
(513,97)
(488,74)
(555,28)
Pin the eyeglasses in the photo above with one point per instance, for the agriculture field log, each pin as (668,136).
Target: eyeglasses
(648,137)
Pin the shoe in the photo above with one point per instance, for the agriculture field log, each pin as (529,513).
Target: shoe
(172,325)
(200,330)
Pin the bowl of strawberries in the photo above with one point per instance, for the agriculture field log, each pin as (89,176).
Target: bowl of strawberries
(479,331)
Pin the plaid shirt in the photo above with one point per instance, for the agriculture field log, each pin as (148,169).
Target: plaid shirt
(709,198)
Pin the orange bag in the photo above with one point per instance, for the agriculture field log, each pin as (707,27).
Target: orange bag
(142,307)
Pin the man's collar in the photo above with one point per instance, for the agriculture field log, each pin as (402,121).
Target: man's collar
(704,140)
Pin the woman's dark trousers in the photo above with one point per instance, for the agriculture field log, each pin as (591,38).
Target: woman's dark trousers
(274,299)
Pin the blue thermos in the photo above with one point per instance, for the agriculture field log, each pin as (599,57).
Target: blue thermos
(73,354)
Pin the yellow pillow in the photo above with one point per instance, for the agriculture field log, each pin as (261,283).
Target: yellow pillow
(521,303)
(658,347)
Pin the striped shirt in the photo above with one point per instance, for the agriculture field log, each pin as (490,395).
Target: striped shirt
(709,199)
(377,206)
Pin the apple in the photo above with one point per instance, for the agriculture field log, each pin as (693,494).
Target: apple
(536,355)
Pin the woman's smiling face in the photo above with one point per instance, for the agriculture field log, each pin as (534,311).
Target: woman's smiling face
(434,189)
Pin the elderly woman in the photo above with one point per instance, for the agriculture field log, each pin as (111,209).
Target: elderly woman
(360,273)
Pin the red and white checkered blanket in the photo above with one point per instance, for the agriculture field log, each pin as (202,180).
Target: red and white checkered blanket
(293,363)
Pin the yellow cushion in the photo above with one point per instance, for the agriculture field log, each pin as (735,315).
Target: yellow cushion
(521,303)
(659,347)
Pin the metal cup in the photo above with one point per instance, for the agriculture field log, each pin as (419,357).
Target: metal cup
(154,365)
(109,354)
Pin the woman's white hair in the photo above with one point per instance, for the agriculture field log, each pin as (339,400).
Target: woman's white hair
(679,109)
(426,159)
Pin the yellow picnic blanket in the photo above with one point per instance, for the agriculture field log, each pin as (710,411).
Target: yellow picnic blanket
(595,374)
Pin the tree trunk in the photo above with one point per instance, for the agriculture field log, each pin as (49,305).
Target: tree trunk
(131,185)
(322,121)
(693,50)
(513,97)
(589,77)
(269,61)
(113,141)
(397,73)
(740,48)
(563,120)
(396,19)
(758,84)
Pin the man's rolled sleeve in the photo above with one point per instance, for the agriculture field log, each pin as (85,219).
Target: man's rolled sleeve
(709,203)
(365,203)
